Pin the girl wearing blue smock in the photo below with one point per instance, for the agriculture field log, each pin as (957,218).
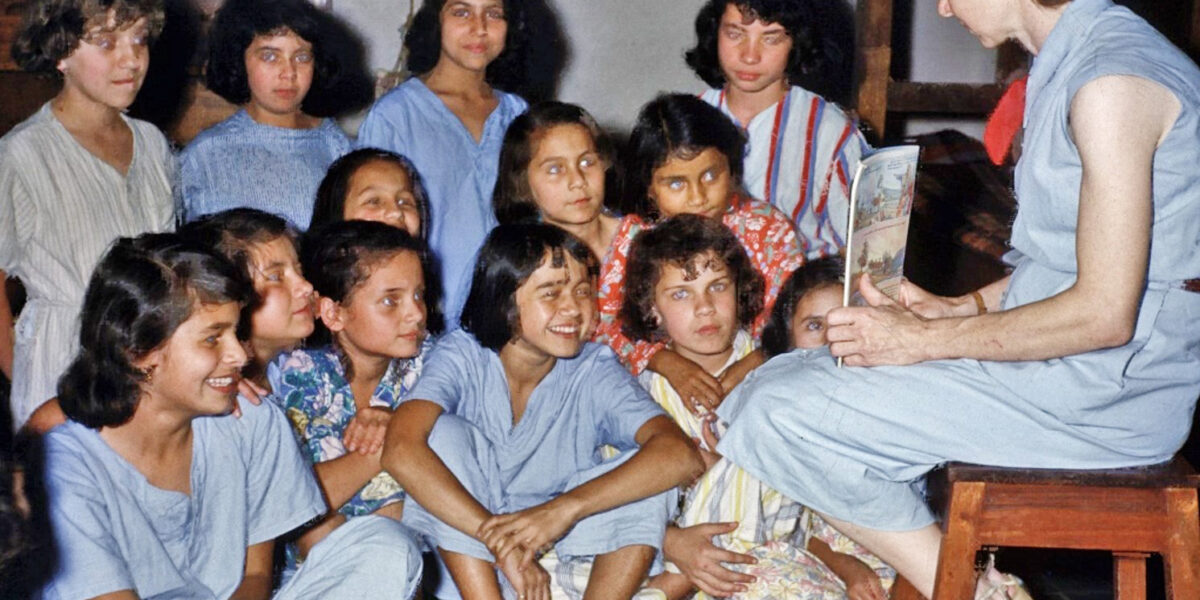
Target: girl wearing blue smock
(1086,356)
(155,490)
(450,121)
(499,446)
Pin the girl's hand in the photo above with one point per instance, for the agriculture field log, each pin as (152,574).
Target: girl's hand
(529,530)
(252,392)
(707,442)
(366,430)
(740,369)
(692,550)
(700,391)
(862,583)
(883,333)
(532,582)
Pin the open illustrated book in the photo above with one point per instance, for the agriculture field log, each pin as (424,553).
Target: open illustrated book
(881,200)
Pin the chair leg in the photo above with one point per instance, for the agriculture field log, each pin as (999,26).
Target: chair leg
(956,560)
(1129,575)
(1182,544)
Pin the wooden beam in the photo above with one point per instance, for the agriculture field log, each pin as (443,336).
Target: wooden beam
(874,62)
(24,93)
(943,98)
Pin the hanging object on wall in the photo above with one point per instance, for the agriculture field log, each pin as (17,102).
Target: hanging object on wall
(385,80)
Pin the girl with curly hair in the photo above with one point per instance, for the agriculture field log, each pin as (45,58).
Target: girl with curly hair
(74,176)
(270,58)
(803,150)
(450,120)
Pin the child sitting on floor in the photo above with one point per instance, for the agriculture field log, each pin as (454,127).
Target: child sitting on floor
(155,490)
(690,283)
(340,392)
(499,445)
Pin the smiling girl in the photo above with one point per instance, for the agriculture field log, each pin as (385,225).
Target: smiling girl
(803,150)
(266,57)
(155,490)
(450,120)
(499,443)
(74,177)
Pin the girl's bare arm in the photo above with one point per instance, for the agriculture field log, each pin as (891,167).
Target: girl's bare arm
(667,458)
(7,338)
(415,466)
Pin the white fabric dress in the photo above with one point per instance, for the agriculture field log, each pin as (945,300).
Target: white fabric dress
(60,209)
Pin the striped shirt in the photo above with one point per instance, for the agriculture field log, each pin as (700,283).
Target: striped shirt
(801,159)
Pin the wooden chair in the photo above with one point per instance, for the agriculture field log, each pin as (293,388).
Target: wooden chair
(1130,512)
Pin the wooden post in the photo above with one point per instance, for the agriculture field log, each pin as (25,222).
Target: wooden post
(874,61)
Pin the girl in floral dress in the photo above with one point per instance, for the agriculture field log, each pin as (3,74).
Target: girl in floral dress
(339,396)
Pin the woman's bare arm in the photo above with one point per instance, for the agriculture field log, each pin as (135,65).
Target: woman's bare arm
(256,580)
(1117,123)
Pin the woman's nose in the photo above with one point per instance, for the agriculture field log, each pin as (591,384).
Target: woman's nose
(751,54)
(944,8)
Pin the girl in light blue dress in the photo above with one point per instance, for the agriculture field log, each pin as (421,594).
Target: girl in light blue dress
(1086,356)
(270,59)
(468,56)
(499,445)
(155,489)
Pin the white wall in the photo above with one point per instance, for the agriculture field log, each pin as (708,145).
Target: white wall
(623,52)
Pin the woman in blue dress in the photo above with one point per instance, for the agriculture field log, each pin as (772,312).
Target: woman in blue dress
(1086,356)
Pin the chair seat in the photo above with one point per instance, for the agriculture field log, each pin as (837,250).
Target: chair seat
(1131,512)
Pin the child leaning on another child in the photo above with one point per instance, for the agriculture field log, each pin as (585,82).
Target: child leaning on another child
(692,286)
(339,392)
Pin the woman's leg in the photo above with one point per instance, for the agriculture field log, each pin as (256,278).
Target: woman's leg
(913,553)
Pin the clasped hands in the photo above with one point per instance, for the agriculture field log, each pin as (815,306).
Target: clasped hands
(517,539)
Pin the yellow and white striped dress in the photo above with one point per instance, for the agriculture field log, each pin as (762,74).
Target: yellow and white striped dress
(771,527)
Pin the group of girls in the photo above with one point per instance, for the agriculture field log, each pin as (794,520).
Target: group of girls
(517,447)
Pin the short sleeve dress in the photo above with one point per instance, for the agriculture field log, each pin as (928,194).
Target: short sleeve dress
(60,209)
(856,442)
(459,173)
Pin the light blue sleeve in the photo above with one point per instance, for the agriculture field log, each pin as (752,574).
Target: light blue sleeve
(90,562)
(281,490)
(378,130)
(623,405)
(448,370)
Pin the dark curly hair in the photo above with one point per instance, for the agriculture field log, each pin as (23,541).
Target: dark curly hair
(685,241)
(509,71)
(339,257)
(143,289)
(805,21)
(777,335)
(512,200)
(508,257)
(675,126)
(233,234)
(51,30)
(236,25)
(331,194)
